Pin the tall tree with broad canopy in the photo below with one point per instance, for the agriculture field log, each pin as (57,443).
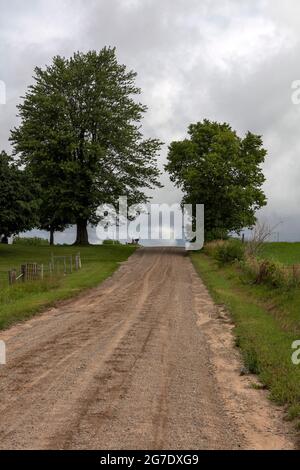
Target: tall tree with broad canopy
(80,134)
(217,168)
(19,198)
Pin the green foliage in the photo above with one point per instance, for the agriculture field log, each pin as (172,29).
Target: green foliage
(30,241)
(19,200)
(293,412)
(266,324)
(217,168)
(259,270)
(211,248)
(216,234)
(111,242)
(270,272)
(80,136)
(229,252)
(251,360)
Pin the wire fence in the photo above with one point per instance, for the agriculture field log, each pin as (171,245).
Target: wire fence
(58,265)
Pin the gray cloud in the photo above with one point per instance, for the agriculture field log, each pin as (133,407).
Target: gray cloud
(231,60)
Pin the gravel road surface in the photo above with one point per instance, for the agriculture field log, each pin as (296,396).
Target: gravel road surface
(144,361)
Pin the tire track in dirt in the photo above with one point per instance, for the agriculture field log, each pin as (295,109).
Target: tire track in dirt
(51,351)
(130,364)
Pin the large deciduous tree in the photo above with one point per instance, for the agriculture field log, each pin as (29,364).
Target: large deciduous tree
(80,135)
(19,198)
(217,168)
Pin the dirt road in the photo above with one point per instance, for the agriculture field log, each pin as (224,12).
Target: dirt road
(146,361)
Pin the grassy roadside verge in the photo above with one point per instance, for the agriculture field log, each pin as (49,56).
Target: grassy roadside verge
(267,322)
(21,301)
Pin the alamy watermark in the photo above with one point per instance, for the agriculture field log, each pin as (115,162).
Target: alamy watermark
(2,92)
(296,353)
(153,223)
(2,353)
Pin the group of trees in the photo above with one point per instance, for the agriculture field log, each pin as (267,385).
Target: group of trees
(79,145)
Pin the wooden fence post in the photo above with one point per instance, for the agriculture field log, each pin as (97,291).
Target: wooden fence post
(35,271)
(78,262)
(41,271)
(24,272)
(12,277)
(71,264)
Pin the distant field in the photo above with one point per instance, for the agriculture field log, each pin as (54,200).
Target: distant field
(21,301)
(286,253)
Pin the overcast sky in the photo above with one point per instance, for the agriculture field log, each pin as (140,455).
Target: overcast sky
(229,61)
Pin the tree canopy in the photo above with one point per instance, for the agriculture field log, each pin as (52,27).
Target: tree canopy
(19,198)
(217,168)
(80,136)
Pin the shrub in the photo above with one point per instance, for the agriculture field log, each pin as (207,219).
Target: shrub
(272,273)
(216,234)
(30,241)
(229,252)
(259,271)
(211,248)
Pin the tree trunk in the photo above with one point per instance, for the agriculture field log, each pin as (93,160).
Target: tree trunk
(51,237)
(4,239)
(82,233)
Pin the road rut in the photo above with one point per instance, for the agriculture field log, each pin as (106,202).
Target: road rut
(144,361)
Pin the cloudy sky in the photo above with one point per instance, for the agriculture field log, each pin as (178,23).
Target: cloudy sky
(231,61)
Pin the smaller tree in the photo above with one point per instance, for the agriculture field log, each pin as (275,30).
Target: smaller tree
(19,198)
(217,168)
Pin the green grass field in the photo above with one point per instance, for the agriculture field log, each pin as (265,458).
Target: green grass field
(267,322)
(286,253)
(22,300)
